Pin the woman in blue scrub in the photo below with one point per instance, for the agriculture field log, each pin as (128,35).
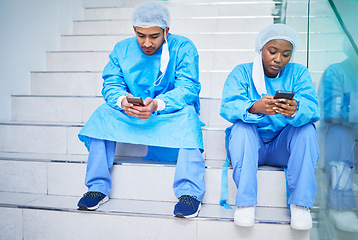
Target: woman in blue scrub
(267,131)
(162,69)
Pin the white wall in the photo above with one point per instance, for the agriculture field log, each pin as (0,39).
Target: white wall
(27,30)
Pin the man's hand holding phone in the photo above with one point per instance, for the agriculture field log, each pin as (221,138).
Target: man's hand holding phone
(136,107)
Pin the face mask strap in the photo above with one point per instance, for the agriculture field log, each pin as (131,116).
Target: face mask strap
(163,60)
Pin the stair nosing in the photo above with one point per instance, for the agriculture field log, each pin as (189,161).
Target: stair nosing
(32,205)
(183,18)
(179,4)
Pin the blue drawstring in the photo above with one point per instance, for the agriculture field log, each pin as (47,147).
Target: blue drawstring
(287,189)
(224,185)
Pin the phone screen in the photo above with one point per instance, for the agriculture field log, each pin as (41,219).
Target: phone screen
(137,101)
(284,94)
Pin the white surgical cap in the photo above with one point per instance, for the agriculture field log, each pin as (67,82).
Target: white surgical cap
(276,31)
(151,14)
(272,32)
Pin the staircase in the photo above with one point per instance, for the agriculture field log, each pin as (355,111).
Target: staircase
(43,163)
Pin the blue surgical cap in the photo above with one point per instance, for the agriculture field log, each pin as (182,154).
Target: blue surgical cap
(276,31)
(151,14)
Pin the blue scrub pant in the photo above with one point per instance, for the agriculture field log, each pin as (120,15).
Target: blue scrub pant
(189,173)
(295,148)
(340,164)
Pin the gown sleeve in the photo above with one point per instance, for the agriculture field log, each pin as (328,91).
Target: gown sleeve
(114,85)
(236,102)
(306,98)
(187,86)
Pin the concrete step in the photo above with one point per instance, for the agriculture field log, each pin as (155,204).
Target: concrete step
(68,109)
(74,83)
(210,24)
(179,25)
(201,41)
(56,215)
(90,83)
(49,83)
(319,41)
(207,1)
(217,60)
(180,10)
(47,177)
(41,138)
(96,60)
(61,138)
(53,109)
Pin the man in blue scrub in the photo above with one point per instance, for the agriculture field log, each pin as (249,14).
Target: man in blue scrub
(338,95)
(162,69)
(277,132)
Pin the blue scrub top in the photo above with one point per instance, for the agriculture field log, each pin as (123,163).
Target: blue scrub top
(129,70)
(239,94)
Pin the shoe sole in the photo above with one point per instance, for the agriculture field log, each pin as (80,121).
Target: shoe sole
(84,208)
(301,228)
(244,224)
(179,215)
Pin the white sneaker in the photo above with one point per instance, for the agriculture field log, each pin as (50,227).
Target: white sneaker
(245,216)
(344,220)
(300,217)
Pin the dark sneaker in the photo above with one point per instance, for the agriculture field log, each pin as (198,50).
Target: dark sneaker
(187,207)
(91,201)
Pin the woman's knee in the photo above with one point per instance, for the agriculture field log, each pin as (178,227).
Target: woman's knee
(306,131)
(240,127)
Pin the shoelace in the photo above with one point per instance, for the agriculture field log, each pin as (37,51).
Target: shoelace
(92,194)
(188,200)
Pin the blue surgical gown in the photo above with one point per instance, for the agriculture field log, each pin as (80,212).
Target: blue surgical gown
(131,71)
(239,94)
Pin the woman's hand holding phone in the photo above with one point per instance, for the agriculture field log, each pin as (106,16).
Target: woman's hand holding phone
(270,106)
(285,107)
(263,105)
(285,103)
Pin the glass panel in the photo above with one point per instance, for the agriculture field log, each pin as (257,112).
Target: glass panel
(297,18)
(333,64)
(329,36)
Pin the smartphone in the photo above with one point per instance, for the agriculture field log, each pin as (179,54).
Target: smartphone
(284,94)
(137,101)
